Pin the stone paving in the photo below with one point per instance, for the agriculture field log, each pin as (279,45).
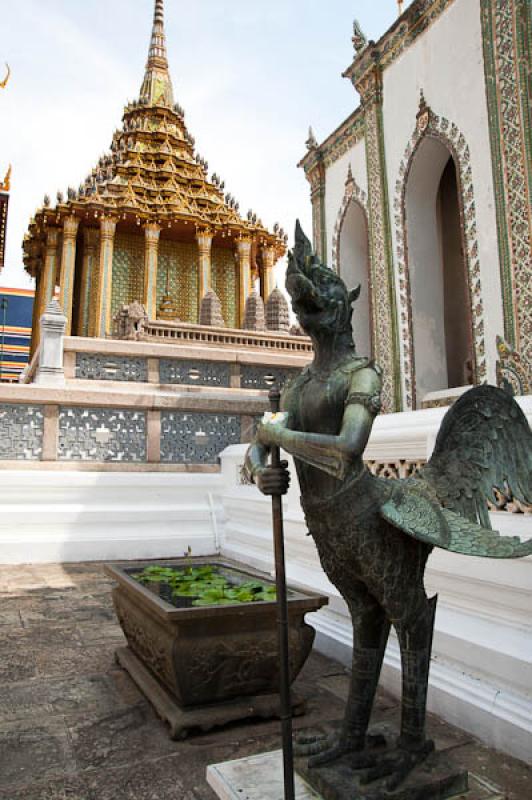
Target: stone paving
(74,727)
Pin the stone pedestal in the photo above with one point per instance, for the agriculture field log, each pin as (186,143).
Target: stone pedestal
(260,777)
(50,371)
(436,779)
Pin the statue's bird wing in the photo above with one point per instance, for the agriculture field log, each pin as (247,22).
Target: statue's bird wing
(484,443)
(424,519)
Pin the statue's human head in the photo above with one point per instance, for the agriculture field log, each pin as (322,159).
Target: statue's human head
(320,298)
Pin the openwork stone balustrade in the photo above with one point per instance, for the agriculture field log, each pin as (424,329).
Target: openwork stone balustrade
(190,371)
(142,405)
(103,435)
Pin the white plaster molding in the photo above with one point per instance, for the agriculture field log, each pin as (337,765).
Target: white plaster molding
(49,516)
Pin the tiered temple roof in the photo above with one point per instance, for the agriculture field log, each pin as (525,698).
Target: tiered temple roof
(152,179)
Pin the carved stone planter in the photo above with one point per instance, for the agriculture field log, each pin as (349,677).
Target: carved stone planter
(206,666)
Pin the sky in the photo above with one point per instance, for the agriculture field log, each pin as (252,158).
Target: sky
(251,76)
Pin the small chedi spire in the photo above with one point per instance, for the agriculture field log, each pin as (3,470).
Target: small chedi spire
(277,312)
(254,319)
(156,87)
(211,310)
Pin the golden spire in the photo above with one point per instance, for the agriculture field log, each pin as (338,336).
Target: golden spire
(5,185)
(157,85)
(3,83)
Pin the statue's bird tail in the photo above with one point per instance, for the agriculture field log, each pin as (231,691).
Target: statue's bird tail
(474,540)
(423,518)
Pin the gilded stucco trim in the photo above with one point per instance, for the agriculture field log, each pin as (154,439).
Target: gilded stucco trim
(385,332)
(506,32)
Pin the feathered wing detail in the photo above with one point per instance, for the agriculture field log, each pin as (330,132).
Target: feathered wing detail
(423,519)
(418,516)
(484,442)
(475,540)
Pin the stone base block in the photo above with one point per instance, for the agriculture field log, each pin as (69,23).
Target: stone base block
(203,718)
(260,777)
(436,779)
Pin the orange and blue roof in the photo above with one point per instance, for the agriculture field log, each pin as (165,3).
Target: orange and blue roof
(16,308)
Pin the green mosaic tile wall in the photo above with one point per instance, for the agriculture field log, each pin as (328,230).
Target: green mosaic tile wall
(179,261)
(128,270)
(225,283)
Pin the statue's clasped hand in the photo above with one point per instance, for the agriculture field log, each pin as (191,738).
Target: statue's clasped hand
(273,480)
(271,426)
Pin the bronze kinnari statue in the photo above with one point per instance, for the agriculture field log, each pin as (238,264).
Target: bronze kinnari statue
(374,535)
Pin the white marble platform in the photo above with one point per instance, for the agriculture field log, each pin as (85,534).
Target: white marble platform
(257,777)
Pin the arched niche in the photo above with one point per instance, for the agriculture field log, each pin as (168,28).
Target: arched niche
(439,294)
(353,268)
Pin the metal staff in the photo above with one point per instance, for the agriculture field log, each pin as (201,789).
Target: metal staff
(282,612)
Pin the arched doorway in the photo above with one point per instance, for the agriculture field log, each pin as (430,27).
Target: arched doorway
(440,303)
(353,268)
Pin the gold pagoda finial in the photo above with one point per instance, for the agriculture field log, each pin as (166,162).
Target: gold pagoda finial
(157,85)
(5,185)
(157,51)
(3,83)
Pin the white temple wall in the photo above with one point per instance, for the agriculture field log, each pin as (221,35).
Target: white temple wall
(335,187)
(57,515)
(446,63)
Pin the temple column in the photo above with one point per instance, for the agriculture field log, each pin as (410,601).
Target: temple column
(49,269)
(45,285)
(244,274)
(268,278)
(204,240)
(68,264)
(34,343)
(33,266)
(105,277)
(152,232)
(90,240)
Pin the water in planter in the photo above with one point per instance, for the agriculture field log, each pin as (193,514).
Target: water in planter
(204,585)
